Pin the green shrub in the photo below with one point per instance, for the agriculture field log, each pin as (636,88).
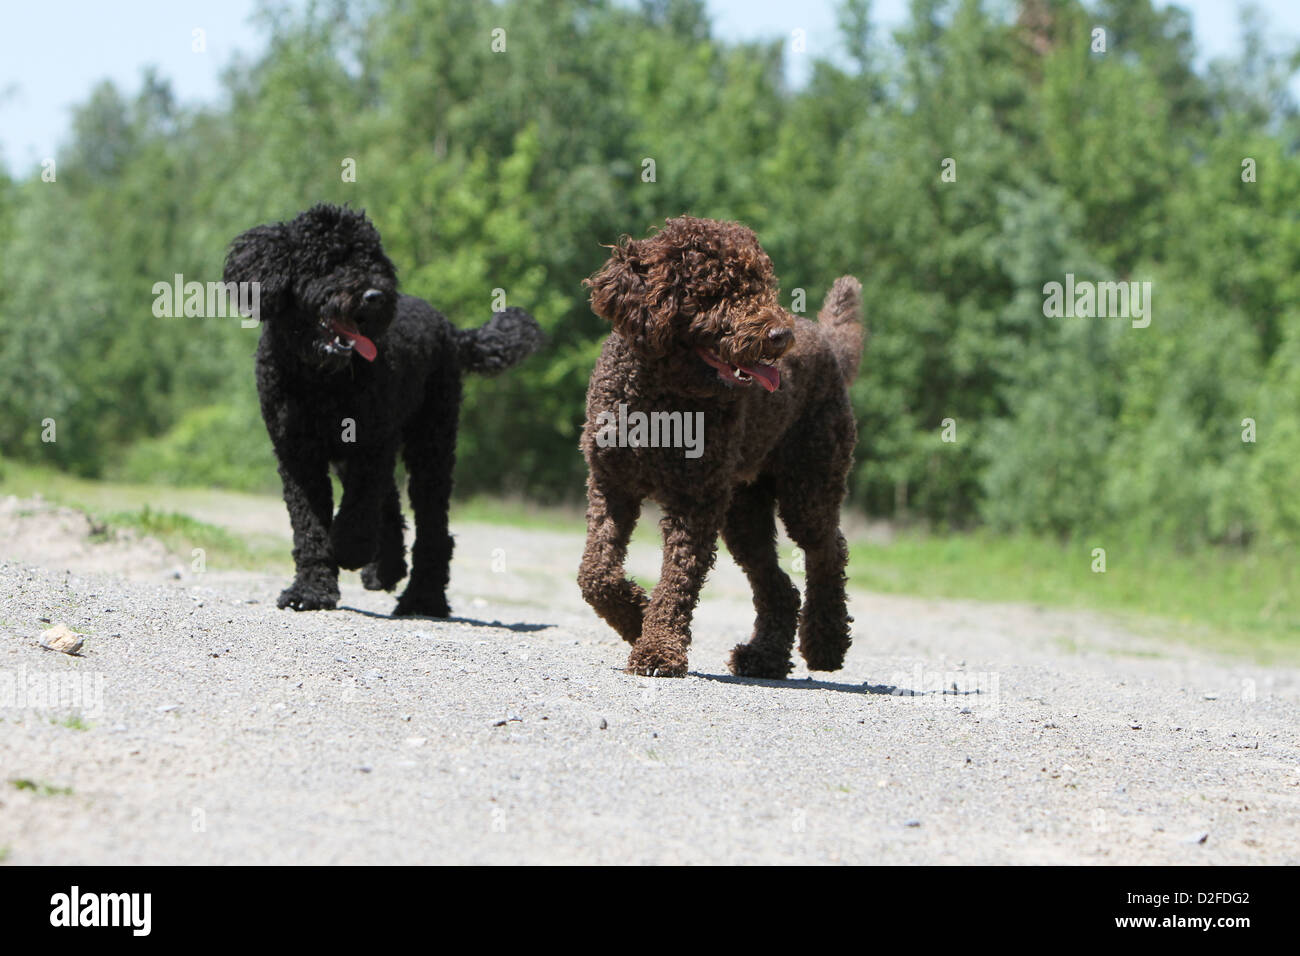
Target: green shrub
(219,446)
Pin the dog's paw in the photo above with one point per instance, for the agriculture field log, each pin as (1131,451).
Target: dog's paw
(749,661)
(658,659)
(824,640)
(824,660)
(377,577)
(302,598)
(421,605)
(825,655)
(353,544)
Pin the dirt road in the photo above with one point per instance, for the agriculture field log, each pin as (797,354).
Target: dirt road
(212,728)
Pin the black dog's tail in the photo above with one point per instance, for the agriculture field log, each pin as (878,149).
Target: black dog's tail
(508,338)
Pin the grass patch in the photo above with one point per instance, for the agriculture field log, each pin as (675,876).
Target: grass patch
(181,534)
(519,514)
(75,722)
(1235,601)
(40,788)
(26,481)
(156,511)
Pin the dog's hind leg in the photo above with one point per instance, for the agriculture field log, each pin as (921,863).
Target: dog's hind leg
(809,502)
(389,565)
(824,636)
(358,527)
(605,586)
(750,534)
(430,455)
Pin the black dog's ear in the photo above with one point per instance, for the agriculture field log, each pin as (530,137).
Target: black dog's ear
(262,255)
(634,295)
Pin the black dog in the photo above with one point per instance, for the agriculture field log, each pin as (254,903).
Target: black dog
(349,372)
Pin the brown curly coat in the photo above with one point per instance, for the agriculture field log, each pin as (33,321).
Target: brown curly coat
(698,329)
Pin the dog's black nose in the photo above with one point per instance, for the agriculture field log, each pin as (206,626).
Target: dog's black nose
(372,296)
(781,338)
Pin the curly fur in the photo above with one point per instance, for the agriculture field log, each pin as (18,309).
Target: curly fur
(700,287)
(326,271)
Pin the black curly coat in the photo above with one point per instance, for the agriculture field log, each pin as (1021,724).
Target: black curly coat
(349,373)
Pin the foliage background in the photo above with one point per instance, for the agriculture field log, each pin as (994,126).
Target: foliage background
(486,170)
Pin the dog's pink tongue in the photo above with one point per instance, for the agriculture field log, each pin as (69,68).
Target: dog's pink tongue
(364,347)
(769,376)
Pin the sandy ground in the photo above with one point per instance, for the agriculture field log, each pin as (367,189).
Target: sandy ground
(202,725)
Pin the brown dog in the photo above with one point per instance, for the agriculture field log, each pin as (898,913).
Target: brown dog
(704,352)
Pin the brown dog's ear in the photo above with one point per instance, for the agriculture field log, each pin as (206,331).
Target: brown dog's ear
(625,294)
(262,255)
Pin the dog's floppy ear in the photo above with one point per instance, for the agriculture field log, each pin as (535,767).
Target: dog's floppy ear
(262,255)
(625,293)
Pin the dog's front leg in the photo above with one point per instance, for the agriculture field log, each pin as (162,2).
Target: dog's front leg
(310,500)
(611,517)
(690,545)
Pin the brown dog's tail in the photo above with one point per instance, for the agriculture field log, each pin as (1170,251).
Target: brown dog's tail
(841,317)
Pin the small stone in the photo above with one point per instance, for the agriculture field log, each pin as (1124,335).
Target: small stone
(63,639)
(1134,726)
(168,708)
(912,823)
(1198,838)
(604,724)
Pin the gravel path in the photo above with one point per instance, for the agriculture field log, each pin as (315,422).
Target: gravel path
(215,729)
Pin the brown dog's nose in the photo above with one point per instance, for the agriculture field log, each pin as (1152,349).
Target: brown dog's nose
(780,338)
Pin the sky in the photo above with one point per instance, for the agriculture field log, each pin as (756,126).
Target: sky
(53,52)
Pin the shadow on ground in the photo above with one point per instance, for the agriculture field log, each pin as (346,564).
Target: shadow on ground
(809,683)
(520,627)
